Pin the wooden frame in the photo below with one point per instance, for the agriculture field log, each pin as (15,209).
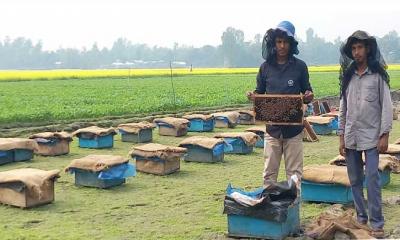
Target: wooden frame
(262,117)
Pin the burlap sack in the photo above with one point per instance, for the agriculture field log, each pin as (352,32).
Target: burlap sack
(177,123)
(96,163)
(33,179)
(319,119)
(94,130)
(157,150)
(249,138)
(135,127)
(386,161)
(17,143)
(259,130)
(327,224)
(393,149)
(334,114)
(231,116)
(397,141)
(198,116)
(205,142)
(53,135)
(326,174)
(248,112)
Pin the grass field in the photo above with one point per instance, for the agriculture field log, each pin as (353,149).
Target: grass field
(185,205)
(46,101)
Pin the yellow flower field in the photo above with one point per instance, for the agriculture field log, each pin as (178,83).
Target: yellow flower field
(16,75)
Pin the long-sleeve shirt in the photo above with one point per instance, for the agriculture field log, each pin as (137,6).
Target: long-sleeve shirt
(289,78)
(366,111)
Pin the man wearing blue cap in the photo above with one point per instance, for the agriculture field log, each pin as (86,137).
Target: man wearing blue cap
(282,73)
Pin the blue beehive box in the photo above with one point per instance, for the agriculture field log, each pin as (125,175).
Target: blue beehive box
(203,149)
(95,137)
(6,156)
(326,192)
(260,131)
(109,176)
(321,125)
(200,123)
(16,149)
(384,178)
(240,225)
(23,155)
(241,142)
(226,119)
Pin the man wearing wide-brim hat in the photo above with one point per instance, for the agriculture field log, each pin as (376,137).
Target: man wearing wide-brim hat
(364,123)
(282,73)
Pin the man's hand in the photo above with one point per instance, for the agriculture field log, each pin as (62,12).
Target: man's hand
(308,96)
(250,96)
(342,148)
(383,143)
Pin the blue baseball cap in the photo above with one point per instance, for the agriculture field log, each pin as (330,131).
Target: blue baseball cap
(287,27)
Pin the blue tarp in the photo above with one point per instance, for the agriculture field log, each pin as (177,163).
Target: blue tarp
(118,172)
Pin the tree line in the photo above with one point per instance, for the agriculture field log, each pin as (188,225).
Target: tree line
(233,51)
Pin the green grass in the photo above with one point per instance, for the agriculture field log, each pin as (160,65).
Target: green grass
(185,205)
(47,101)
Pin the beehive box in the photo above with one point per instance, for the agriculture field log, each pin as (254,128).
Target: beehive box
(321,125)
(171,126)
(95,137)
(136,132)
(52,143)
(16,149)
(326,183)
(275,109)
(274,227)
(203,149)
(241,142)
(260,131)
(27,187)
(200,122)
(101,171)
(157,159)
(326,192)
(226,119)
(246,117)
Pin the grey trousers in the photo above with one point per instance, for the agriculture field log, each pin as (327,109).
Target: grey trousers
(355,170)
(292,151)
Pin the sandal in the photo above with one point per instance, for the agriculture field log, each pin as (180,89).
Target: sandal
(377,233)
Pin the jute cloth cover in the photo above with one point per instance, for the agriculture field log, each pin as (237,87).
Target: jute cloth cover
(135,127)
(157,150)
(95,131)
(257,129)
(17,143)
(326,174)
(319,119)
(96,163)
(386,161)
(231,116)
(248,112)
(249,138)
(175,122)
(56,135)
(205,142)
(198,116)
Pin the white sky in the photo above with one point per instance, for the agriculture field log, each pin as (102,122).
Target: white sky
(80,23)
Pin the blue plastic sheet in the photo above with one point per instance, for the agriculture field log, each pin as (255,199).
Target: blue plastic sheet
(118,172)
(229,142)
(219,149)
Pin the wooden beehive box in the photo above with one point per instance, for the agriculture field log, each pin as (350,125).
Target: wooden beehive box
(279,109)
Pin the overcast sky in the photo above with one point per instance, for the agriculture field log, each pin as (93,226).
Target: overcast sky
(80,23)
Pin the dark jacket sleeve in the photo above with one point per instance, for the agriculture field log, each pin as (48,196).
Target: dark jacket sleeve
(305,79)
(261,83)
